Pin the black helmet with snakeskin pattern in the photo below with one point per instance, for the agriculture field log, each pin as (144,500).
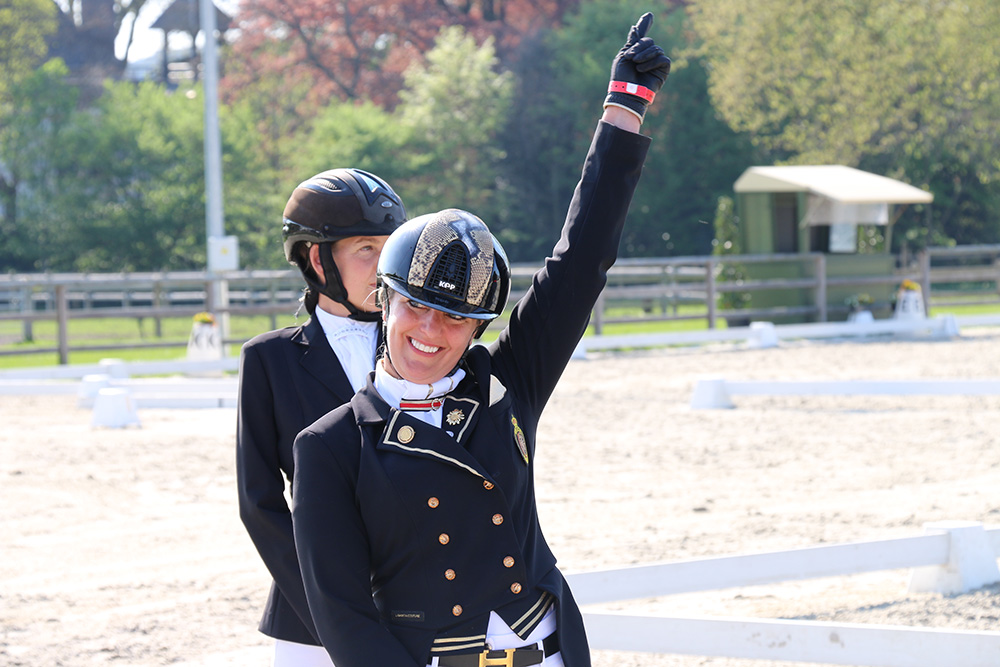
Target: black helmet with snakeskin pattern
(448,261)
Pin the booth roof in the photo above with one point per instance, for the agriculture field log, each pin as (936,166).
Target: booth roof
(843,184)
(185,16)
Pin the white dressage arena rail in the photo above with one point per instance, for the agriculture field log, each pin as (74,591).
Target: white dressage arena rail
(767,334)
(117,368)
(952,557)
(115,395)
(714,393)
(798,641)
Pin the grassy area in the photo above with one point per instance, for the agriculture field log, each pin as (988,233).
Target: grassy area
(129,331)
(964,311)
(117,331)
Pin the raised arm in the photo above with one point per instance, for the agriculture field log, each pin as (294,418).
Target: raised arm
(551,318)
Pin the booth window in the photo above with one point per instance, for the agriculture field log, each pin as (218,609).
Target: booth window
(819,238)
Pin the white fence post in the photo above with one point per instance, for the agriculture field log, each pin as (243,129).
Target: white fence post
(89,386)
(762,335)
(971,564)
(711,394)
(114,368)
(114,408)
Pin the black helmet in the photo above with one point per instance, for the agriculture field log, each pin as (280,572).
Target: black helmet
(333,205)
(448,261)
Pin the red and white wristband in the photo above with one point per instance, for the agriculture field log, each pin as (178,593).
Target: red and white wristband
(641,92)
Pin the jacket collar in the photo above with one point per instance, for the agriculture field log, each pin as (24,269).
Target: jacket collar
(404,434)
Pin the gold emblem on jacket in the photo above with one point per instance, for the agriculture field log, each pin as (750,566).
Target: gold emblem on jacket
(522,443)
(455,417)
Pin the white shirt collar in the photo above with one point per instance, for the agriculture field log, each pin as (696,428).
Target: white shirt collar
(354,344)
(393,390)
(336,326)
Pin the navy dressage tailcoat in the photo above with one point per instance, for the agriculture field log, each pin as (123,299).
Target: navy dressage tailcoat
(409,535)
(289,378)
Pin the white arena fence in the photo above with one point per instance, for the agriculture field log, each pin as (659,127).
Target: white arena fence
(767,334)
(953,557)
(112,385)
(715,393)
(118,369)
(114,392)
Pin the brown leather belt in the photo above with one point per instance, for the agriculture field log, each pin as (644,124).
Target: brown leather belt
(511,657)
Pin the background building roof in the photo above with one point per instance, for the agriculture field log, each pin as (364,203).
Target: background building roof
(837,182)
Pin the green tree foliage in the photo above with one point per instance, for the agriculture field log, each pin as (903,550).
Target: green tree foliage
(281,107)
(24,27)
(343,134)
(37,114)
(364,136)
(453,108)
(130,192)
(562,80)
(28,107)
(120,187)
(693,161)
(908,89)
(499,125)
(557,101)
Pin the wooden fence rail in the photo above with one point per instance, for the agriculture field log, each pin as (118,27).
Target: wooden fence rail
(653,289)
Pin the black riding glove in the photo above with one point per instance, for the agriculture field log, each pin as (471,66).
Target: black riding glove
(638,71)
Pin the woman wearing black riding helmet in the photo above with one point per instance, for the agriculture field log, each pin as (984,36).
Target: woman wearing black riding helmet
(333,229)
(415,516)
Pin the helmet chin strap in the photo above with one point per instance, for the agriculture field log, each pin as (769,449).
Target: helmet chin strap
(334,287)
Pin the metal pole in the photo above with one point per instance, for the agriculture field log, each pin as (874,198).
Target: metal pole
(213,144)
(213,152)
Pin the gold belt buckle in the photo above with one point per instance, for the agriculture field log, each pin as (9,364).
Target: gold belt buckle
(506,661)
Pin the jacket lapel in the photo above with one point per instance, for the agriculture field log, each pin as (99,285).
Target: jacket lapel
(407,435)
(458,417)
(319,360)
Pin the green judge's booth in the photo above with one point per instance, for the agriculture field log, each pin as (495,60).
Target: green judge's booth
(845,213)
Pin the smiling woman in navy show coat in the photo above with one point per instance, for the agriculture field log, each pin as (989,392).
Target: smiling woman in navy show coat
(414,507)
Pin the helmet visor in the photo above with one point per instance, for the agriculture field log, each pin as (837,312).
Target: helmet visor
(437,300)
